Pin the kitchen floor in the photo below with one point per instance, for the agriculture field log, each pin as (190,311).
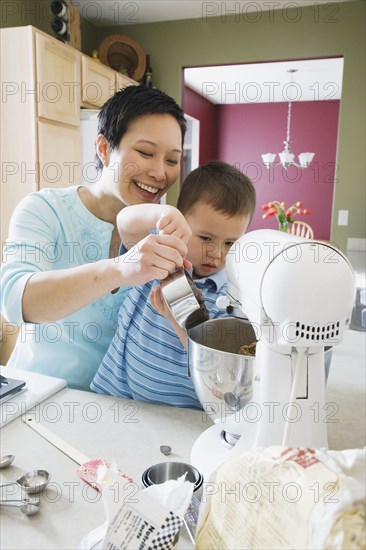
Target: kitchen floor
(346,386)
(358,261)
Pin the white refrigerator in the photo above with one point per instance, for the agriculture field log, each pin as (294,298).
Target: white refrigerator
(88,133)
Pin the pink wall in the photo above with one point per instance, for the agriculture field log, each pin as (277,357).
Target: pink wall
(246,131)
(206,112)
(238,134)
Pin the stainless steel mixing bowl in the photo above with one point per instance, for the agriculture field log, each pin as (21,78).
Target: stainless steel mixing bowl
(222,378)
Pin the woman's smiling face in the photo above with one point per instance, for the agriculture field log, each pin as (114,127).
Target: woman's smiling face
(147,162)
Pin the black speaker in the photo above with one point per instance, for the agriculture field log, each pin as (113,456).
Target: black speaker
(60,9)
(60,24)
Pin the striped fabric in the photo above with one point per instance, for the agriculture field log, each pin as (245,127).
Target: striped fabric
(146,360)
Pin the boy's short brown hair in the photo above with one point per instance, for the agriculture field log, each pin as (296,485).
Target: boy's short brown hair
(221,186)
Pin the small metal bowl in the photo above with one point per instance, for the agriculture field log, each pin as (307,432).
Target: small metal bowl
(159,473)
(6,461)
(35,481)
(181,300)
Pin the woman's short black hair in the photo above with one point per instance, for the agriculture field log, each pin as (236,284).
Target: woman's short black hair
(131,103)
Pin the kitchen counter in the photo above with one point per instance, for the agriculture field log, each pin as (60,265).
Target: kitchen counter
(132,432)
(100,427)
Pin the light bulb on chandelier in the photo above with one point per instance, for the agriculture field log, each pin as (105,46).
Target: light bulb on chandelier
(287,157)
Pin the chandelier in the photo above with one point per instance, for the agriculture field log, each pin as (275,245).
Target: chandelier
(287,157)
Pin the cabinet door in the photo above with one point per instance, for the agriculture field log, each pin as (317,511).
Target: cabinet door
(58,81)
(97,82)
(18,130)
(59,155)
(123,81)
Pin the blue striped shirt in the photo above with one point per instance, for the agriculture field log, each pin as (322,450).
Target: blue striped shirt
(146,360)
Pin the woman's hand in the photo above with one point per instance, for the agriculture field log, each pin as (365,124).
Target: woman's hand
(135,222)
(155,257)
(172,222)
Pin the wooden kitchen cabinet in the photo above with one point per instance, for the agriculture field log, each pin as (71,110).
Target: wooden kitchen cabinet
(59,155)
(98,82)
(42,93)
(122,81)
(58,80)
(40,121)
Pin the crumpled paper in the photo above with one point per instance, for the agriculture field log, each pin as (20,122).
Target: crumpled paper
(149,518)
(285,498)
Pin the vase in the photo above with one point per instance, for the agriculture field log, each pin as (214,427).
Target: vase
(284,227)
(283,224)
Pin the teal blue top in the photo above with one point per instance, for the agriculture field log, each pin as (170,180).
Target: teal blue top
(50,230)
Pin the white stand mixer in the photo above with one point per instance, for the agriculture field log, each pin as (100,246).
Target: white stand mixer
(298,295)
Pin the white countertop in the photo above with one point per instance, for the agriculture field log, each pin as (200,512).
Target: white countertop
(101,427)
(132,432)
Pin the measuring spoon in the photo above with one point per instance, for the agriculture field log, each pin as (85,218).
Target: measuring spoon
(6,460)
(27,507)
(31,482)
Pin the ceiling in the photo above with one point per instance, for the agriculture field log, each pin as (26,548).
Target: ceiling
(109,13)
(315,80)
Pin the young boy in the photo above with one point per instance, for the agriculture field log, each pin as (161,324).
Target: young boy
(147,359)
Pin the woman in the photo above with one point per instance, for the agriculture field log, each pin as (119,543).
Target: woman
(62,279)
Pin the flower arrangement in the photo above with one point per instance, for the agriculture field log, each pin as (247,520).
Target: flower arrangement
(284,215)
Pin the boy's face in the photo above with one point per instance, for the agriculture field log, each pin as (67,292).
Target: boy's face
(213,233)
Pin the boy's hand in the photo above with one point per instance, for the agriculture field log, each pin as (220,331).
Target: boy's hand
(155,257)
(158,302)
(172,222)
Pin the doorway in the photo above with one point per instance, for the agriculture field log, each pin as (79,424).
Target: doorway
(243,112)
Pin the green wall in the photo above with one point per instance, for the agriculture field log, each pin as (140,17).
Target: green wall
(329,30)
(298,33)
(18,13)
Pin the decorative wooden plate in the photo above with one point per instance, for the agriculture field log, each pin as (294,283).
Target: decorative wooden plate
(118,50)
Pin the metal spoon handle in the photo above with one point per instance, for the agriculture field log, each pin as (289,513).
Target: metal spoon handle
(13,504)
(22,501)
(7,483)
